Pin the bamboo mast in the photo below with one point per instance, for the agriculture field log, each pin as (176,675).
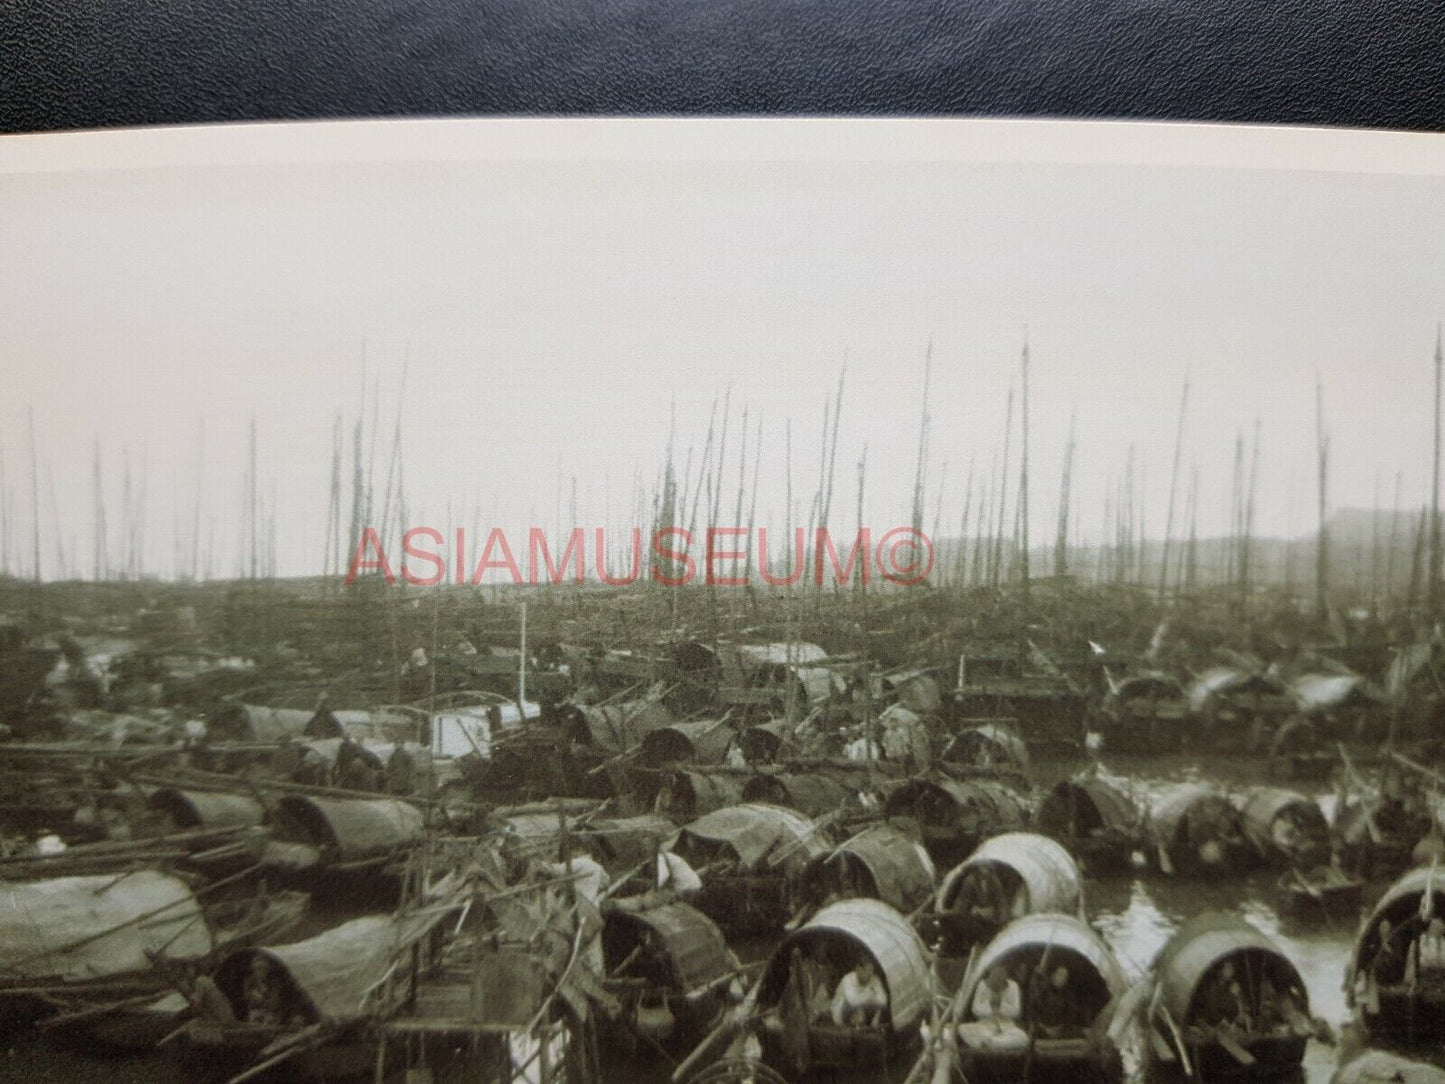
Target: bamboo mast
(833,449)
(753,506)
(1061,541)
(1248,519)
(34,494)
(1322,570)
(1375,550)
(960,562)
(1173,489)
(1394,542)
(742,486)
(1191,554)
(101,558)
(1024,472)
(996,574)
(859,583)
(922,461)
(1432,585)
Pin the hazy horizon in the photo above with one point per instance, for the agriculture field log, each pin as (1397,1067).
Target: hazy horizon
(547,313)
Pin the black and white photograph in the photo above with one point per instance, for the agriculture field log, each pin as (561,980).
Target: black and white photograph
(722,601)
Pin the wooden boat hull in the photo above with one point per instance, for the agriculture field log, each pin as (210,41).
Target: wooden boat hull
(834,1049)
(1051,1060)
(212,1050)
(1316,899)
(1274,1055)
(1410,1020)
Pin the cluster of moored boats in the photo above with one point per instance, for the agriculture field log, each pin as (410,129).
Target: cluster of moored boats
(740,861)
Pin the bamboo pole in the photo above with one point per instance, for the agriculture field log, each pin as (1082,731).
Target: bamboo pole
(922,462)
(1322,569)
(1024,471)
(1432,586)
(1061,541)
(1173,489)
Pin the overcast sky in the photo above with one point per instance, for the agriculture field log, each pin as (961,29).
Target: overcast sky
(548,311)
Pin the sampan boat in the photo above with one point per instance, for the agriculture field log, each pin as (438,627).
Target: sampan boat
(1097,820)
(1227,1003)
(668,966)
(1286,828)
(1030,951)
(326,994)
(953,816)
(1387,1002)
(87,942)
(1379,1067)
(880,863)
(1007,877)
(1197,831)
(750,858)
(798,985)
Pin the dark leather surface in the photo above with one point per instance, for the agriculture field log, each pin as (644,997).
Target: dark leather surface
(84,63)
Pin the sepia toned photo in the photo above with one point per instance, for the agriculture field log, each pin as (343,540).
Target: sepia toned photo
(722,602)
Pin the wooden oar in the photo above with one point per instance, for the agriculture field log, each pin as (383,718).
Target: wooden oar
(1237,1052)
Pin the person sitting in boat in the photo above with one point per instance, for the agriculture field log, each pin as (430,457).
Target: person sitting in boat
(1221,1002)
(1388,966)
(997,999)
(1053,1009)
(982,898)
(860,998)
(203,995)
(1426,963)
(261,994)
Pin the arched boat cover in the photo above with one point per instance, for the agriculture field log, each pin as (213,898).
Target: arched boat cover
(207,809)
(1223,681)
(1259,806)
(1059,935)
(797,653)
(76,929)
(696,793)
(382,725)
(901,869)
(1330,692)
(812,795)
(763,742)
(1115,809)
(1401,900)
(694,945)
(1200,944)
(994,803)
(702,742)
(1175,804)
(965,746)
(354,827)
(1149,685)
(617,728)
(754,832)
(337,972)
(255,723)
(1379,1067)
(1049,873)
(885,935)
(627,841)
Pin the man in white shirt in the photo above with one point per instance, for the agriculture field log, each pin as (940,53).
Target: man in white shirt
(997,998)
(860,998)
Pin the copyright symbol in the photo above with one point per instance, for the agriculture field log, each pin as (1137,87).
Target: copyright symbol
(904,556)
